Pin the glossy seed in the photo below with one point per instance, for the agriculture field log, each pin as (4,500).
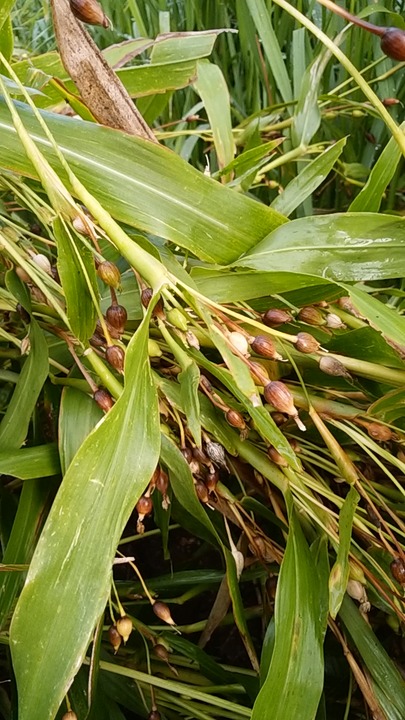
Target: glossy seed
(306,343)
(114,638)
(90,12)
(162,611)
(275,317)
(124,627)
(109,274)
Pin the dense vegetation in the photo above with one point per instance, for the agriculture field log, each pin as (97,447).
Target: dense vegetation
(202,368)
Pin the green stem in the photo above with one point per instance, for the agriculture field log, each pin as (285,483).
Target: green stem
(106,376)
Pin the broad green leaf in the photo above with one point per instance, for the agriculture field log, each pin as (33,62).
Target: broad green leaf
(78,415)
(223,286)
(69,578)
(213,91)
(262,20)
(307,115)
(15,422)
(29,463)
(380,666)
(390,407)
(339,574)
(366,343)
(294,683)
(350,246)
(306,182)
(146,186)
(370,196)
(5,9)
(77,273)
(380,316)
(178,47)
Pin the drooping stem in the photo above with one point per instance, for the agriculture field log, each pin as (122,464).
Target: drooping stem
(370,27)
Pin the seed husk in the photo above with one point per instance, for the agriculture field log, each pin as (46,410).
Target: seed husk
(90,12)
(239,342)
(235,419)
(306,343)
(331,366)
(114,638)
(276,393)
(379,432)
(202,492)
(311,316)
(109,274)
(117,316)
(124,627)
(275,316)
(162,611)
(161,652)
(69,715)
(276,457)
(144,506)
(398,570)
(154,715)
(103,399)
(115,355)
(263,346)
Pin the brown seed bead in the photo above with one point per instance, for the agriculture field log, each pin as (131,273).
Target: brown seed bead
(117,316)
(275,317)
(279,418)
(211,481)
(311,316)
(378,432)
(162,611)
(398,570)
(109,273)
(90,12)
(124,627)
(306,343)
(201,491)
(261,345)
(200,456)
(187,454)
(115,355)
(114,638)
(235,419)
(331,366)
(275,456)
(161,651)
(144,506)
(393,43)
(154,715)
(278,395)
(69,715)
(103,399)
(162,483)
(146,296)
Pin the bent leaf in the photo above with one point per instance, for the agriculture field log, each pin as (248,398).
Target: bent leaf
(145,185)
(350,246)
(294,683)
(69,578)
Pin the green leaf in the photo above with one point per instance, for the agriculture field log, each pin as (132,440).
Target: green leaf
(370,196)
(15,423)
(7,38)
(78,415)
(381,668)
(173,200)
(223,286)
(77,274)
(69,578)
(238,369)
(308,180)
(339,574)
(380,316)
(294,683)
(30,463)
(213,91)
(237,606)
(271,47)
(350,246)
(178,47)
